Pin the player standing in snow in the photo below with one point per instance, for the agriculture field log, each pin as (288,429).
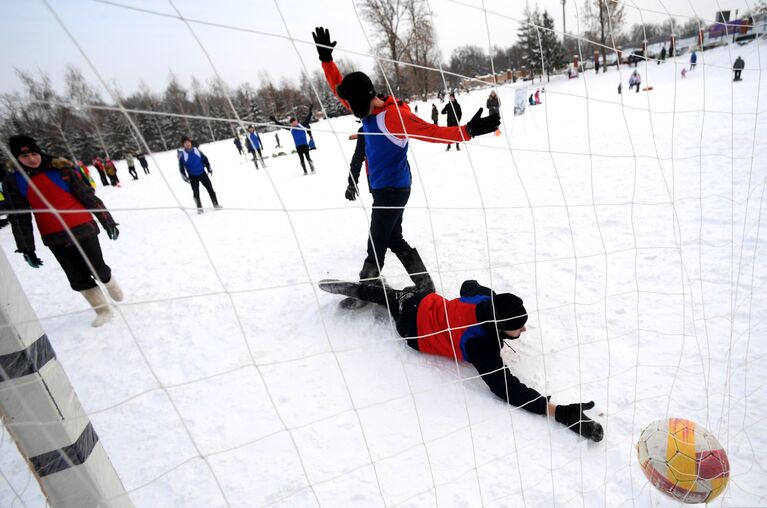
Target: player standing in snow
(693,59)
(54,183)
(131,166)
(111,170)
(737,67)
(99,165)
(434,114)
(299,131)
(493,104)
(144,164)
(473,328)
(388,125)
(193,162)
(453,111)
(255,141)
(238,144)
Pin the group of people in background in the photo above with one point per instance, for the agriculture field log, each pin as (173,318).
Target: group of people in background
(108,171)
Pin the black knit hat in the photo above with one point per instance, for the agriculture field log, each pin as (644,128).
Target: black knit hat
(357,89)
(510,313)
(23,144)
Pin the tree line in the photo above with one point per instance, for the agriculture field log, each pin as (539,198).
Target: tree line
(83,123)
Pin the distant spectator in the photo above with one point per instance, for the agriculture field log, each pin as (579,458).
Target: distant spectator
(693,59)
(737,67)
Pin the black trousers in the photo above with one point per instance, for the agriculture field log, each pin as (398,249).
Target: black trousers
(145,167)
(114,179)
(386,224)
(78,273)
(103,177)
(737,74)
(303,151)
(205,181)
(132,171)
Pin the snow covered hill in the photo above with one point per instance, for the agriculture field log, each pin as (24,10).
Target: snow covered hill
(629,224)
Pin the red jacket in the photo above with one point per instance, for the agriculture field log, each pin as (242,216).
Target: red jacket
(445,326)
(63,187)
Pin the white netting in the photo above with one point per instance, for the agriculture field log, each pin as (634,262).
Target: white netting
(629,224)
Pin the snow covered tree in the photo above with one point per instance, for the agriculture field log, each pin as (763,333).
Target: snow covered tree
(528,39)
(552,49)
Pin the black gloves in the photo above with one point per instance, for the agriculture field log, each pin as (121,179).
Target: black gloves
(113,232)
(210,172)
(573,416)
(32,259)
(478,126)
(322,36)
(351,192)
(271,117)
(185,178)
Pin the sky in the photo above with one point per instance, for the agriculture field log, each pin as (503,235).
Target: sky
(130,42)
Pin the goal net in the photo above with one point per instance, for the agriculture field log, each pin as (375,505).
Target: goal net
(628,219)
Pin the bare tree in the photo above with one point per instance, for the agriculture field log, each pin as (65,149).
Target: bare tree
(422,50)
(389,19)
(604,17)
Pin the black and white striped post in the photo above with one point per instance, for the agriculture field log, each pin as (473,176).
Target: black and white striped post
(42,413)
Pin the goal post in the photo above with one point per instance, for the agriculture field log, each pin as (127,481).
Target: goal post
(42,413)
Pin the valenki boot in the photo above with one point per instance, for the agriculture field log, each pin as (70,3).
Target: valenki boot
(96,299)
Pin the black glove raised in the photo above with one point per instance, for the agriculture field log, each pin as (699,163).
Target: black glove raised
(32,259)
(573,416)
(478,126)
(272,118)
(351,192)
(322,36)
(113,232)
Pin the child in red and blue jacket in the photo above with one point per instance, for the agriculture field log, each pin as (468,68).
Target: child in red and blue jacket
(42,186)
(472,328)
(388,125)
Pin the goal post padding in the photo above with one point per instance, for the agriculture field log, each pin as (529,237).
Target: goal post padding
(43,414)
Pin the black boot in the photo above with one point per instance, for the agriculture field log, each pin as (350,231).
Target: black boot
(199,205)
(369,271)
(375,292)
(412,262)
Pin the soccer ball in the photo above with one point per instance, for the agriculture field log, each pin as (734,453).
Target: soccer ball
(683,460)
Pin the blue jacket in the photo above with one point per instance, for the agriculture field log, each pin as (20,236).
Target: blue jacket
(255,140)
(299,135)
(193,162)
(392,168)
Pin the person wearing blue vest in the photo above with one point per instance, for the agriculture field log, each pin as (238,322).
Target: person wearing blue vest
(192,164)
(473,328)
(255,142)
(300,138)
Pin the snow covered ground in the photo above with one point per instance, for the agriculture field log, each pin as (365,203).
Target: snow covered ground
(633,238)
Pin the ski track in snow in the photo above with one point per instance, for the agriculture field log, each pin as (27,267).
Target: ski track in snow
(183,320)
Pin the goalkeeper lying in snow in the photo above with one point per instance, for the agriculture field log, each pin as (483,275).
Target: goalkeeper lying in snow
(480,321)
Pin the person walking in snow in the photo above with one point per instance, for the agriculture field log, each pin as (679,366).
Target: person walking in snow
(389,125)
(238,144)
(453,111)
(255,142)
(144,164)
(473,328)
(662,55)
(111,170)
(193,164)
(434,114)
(737,67)
(41,182)
(693,59)
(537,97)
(277,139)
(99,165)
(300,138)
(493,104)
(131,166)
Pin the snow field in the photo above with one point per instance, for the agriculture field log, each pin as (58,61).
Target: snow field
(633,237)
